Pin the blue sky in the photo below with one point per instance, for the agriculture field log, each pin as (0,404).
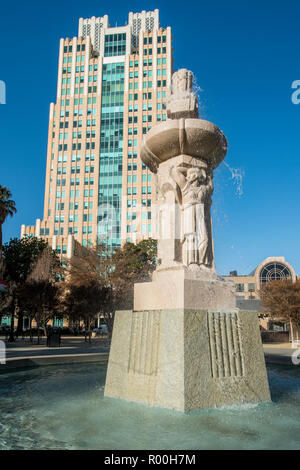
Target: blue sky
(245,56)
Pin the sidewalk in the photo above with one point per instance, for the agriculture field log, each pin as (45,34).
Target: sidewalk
(74,349)
(22,353)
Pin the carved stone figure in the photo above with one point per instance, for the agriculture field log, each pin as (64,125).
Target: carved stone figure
(183,102)
(182,81)
(194,190)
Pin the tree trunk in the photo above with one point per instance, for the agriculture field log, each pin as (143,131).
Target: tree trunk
(38,332)
(89,323)
(30,328)
(292,330)
(20,324)
(11,338)
(1,247)
(2,220)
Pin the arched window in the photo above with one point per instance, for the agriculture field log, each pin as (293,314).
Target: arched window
(274,271)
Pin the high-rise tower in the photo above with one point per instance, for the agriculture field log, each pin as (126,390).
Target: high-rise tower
(113,85)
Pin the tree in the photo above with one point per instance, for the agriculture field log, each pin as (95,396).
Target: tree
(40,294)
(114,274)
(20,256)
(7,208)
(69,304)
(83,302)
(87,287)
(281,299)
(131,264)
(47,267)
(41,301)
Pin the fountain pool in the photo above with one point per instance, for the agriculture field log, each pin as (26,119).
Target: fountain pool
(63,407)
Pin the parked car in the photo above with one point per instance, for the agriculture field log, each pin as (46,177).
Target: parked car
(101,330)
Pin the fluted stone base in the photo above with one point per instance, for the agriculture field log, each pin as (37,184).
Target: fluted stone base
(186,359)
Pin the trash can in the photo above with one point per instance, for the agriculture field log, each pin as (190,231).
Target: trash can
(53,337)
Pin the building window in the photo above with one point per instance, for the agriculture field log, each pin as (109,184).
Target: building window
(115,44)
(274,271)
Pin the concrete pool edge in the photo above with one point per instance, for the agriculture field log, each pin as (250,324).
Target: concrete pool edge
(37,361)
(278,359)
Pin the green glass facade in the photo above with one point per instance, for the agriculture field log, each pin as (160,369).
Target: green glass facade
(114,44)
(111,155)
(58,321)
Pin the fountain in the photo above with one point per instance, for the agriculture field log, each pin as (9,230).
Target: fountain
(185,345)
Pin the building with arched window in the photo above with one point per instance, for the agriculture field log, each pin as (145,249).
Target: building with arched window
(247,287)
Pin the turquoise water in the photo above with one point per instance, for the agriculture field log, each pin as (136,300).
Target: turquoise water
(62,407)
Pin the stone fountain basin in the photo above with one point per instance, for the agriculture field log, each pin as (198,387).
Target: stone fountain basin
(194,137)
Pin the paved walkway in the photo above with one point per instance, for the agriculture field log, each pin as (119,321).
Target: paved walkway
(22,353)
(69,345)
